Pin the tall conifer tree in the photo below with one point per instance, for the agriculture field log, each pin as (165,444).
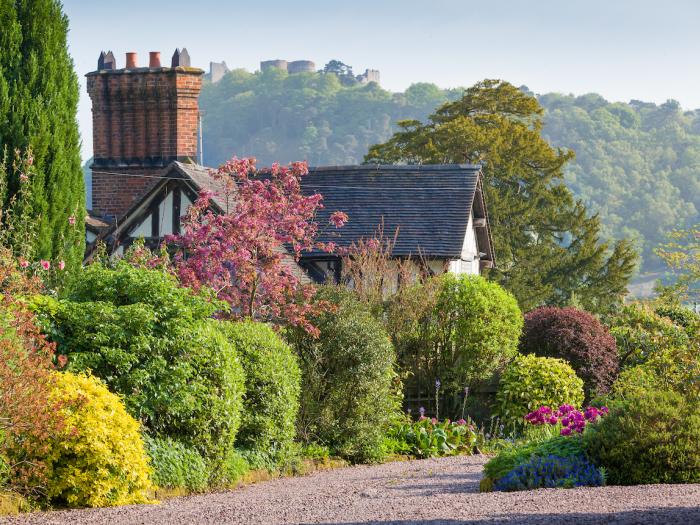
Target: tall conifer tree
(38,105)
(547,246)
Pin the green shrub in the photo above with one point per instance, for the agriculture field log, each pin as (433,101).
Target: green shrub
(349,386)
(152,342)
(100,458)
(235,467)
(641,334)
(272,383)
(530,382)
(651,437)
(315,451)
(459,329)
(175,465)
(658,354)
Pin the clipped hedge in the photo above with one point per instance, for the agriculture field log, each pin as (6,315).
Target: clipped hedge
(530,382)
(649,437)
(272,383)
(350,390)
(577,337)
(99,460)
(154,343)
(176,465)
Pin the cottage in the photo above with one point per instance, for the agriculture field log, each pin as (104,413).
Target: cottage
(146,129)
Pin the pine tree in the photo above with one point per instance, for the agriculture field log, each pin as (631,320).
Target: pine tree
(547,246)
(38,105)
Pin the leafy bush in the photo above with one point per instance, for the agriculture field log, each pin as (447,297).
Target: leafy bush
(272,383)
(235,467)
(641,334)
(530,382)
(152,342)
(661,354)
(29,418)
(552,472)
(651,437)
(315,451)
(175,465)
(429,437)
(99,460)
(349,395)
(577,337)
(678,314)
(460,329)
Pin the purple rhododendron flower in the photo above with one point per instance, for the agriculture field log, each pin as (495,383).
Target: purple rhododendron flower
(566,431)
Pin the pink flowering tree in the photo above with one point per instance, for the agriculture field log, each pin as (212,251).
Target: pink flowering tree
(247,253)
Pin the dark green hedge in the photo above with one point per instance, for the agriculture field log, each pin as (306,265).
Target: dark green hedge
(271,403)
(349,384)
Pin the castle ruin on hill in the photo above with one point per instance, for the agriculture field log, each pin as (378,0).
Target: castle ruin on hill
(217,70)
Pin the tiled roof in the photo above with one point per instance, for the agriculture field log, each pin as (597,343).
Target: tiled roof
(202,178)
(429,204)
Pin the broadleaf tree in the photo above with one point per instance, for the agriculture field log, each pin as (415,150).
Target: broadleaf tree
(548,247)
(246,251)
(38,106)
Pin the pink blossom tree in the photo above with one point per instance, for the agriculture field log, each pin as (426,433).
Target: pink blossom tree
(246,254)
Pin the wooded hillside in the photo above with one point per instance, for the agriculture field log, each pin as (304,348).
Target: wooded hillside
(637,163)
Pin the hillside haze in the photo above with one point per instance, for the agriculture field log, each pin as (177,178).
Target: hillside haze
(637,164)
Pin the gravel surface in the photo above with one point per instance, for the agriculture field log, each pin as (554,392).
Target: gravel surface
(434,491)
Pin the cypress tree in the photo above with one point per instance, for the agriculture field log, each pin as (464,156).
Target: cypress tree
(548,248)
(38,106)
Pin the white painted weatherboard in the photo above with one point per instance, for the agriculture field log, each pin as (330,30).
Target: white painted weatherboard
(469,261)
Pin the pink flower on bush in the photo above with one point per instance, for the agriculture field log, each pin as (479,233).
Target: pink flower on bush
(338,219)
(461,422)
(23,263)
(71,220)
(23,177)
(61,265)
(46,265)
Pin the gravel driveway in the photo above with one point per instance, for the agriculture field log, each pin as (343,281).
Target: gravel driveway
(434,491)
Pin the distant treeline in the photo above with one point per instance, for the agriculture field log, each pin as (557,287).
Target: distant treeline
(637,163)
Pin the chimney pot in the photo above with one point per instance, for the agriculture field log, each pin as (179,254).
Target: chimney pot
(131,60)
(154,59)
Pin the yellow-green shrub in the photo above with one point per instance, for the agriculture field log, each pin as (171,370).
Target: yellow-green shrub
(530,382)
(100,459)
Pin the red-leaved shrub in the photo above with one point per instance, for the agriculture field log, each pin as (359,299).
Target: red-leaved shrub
(28,417)
(576,336)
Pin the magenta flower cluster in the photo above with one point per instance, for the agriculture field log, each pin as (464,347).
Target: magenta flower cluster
(571,419)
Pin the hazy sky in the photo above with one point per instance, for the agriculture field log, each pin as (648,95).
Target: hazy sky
(622,49)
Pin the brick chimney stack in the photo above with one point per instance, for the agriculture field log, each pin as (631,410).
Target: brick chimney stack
(143,119)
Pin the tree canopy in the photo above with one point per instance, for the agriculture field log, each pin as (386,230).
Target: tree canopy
(548,246)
